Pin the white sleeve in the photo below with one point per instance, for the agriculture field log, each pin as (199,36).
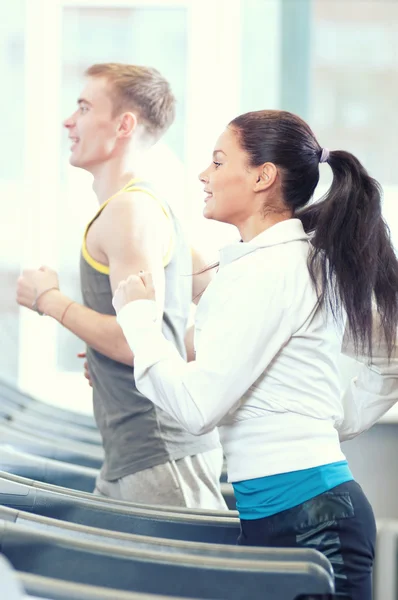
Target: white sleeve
(372,393)
(247,327)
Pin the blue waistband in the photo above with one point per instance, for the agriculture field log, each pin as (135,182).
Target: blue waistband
(266,496)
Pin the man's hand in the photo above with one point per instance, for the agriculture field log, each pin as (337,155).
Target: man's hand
(135,287)
(34,283)
(85,367)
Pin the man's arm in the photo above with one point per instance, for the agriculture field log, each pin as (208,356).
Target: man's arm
(203,271)
(134,236)
(99,331)
(201,277)
(189,343)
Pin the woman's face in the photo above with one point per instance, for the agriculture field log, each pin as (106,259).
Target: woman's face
(229,182)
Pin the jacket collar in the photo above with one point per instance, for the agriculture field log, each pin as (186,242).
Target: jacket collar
(290,230)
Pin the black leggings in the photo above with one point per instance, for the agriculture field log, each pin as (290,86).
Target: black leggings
(339,523)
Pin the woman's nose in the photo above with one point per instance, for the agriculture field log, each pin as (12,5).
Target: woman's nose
(203,176)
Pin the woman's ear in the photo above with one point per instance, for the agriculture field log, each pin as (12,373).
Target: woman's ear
(266,175)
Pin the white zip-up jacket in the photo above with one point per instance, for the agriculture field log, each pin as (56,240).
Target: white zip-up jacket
(266,367)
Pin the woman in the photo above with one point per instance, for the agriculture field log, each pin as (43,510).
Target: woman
(268,333)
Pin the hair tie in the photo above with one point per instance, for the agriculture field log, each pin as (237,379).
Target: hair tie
(324,155)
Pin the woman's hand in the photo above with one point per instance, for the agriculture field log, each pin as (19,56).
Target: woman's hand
(135,287)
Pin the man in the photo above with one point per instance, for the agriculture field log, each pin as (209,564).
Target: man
(122,111)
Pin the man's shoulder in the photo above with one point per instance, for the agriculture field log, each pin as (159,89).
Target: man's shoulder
(134,207)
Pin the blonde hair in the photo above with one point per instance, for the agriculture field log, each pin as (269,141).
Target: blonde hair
(142,89)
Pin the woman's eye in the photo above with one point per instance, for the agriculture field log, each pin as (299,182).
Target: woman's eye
(217,164)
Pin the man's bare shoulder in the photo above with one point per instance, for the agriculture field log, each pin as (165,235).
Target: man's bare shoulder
(134,209)
(133,218)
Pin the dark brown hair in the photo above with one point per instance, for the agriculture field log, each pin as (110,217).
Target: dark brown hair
(353,260)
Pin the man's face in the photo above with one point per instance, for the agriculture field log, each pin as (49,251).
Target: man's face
(92,128)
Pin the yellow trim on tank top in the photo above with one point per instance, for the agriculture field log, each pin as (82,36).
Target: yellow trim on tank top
(129,187)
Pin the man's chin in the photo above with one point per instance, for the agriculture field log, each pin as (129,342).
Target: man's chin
(75,162)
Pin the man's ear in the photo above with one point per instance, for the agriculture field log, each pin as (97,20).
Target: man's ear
(127,124)
(265,176)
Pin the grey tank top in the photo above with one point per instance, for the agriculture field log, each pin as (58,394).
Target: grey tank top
(137,435)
